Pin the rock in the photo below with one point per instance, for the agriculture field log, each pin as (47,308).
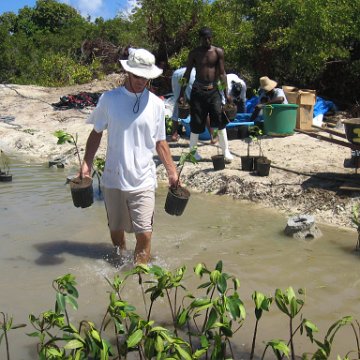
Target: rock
(302,227)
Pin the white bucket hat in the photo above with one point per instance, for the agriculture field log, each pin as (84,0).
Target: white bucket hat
(267,84)
(141,63)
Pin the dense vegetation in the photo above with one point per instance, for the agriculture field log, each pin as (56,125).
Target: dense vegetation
(306,43)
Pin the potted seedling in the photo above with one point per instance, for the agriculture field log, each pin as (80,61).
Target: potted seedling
(261,162)
(247,161)
(229,109)
(184,108)
(218,159)
(5,175)
(178,196)
(81,187)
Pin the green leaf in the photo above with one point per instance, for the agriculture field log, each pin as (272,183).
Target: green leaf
(134,338)
(70,300)
(159,344)
(74,344)
(200,302)
(279,345)
(60,300)
(219,266)
(182,352)
(214,276)
(293,307)
(233,307)
(182,318)
(211,320)
(95,335)
(222,284)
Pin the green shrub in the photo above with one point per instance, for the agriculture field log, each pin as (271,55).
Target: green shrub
(60,70)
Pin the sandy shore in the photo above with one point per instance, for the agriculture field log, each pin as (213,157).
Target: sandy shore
(305,177)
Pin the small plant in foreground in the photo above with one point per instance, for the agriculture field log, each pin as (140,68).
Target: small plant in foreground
(204,322)
(6,324)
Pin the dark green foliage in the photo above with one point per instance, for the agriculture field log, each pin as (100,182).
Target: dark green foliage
(308,44)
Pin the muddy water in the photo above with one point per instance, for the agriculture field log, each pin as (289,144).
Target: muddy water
(43,236)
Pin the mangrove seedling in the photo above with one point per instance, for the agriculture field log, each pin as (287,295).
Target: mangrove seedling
(255,135)
(188,156)
(5,163)
(64,137)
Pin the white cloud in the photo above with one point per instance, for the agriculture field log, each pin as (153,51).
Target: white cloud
(92,7)
(130,5)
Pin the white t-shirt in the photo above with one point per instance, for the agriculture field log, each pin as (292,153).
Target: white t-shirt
(277,93)
(132,137)
(233,77)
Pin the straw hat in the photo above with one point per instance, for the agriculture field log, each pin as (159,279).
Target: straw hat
(141,63)
(267,84)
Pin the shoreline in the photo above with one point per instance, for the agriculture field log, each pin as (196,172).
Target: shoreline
(304,178)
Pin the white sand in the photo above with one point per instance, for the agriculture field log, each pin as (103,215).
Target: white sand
(304,184)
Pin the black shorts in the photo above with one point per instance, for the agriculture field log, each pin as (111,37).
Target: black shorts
(205,102)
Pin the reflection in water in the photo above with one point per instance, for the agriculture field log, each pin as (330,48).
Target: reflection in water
(43,236)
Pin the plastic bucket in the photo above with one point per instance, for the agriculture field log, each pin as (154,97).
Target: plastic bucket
(280,119)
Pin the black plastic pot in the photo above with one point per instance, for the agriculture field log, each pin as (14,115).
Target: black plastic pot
(247,163)
(256,159)
(263,166)
(5,177)
(218,162)
(82,192)
(184,111)
(176,200)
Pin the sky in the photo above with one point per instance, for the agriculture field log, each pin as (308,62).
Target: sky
(95,8)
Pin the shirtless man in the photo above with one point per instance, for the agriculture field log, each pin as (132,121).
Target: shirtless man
(205,98)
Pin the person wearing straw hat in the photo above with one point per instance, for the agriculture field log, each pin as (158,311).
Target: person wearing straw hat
(268,94)
(134,120)
(205,98)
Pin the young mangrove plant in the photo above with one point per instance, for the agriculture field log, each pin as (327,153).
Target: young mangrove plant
(6,324)
(65,137)
(262,303)
(204,322)
(4,163)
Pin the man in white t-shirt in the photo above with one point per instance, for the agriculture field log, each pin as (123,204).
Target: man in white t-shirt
(134,120)
(269,94)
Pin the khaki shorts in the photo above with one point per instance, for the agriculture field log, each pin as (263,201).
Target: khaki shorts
(131,211)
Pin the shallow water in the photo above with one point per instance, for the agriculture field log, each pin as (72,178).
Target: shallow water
(43,236)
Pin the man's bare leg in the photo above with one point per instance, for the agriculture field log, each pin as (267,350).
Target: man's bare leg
(118,239)
(142,248)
